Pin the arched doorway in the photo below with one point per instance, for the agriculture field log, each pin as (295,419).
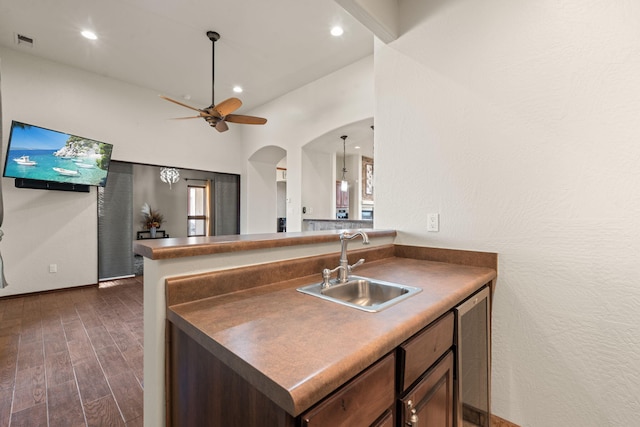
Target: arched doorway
(262,206)
(322,163)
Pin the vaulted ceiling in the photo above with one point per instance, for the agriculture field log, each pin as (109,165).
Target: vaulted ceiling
(267,47)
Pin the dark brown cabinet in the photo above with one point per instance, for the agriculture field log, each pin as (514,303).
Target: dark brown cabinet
(387,420)
(361,402)
(430,402)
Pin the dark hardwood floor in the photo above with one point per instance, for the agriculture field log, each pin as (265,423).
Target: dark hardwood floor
(73,357)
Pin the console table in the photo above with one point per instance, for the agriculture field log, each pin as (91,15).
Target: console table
(146,234)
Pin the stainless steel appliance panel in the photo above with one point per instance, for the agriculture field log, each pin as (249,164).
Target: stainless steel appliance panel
(473,360)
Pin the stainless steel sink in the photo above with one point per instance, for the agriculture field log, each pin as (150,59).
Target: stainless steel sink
(362,293)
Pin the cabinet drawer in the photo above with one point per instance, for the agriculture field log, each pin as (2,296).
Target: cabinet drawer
(423,349)
(360,402)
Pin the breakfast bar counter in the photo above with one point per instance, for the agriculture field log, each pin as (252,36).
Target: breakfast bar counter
(197,246)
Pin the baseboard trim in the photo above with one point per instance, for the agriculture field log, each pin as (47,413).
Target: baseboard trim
(48,291)
(102,284)
(500,422)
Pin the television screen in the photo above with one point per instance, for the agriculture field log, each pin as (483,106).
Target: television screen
(47,155)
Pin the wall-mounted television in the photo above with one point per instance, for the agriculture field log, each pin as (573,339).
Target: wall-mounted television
(43,158)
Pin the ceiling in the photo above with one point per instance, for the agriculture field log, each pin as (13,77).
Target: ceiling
(268,47)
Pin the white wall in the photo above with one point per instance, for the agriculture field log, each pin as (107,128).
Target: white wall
(318,184)
(300,117)
(262,206)
(518,122)
(47,227)
(281,189)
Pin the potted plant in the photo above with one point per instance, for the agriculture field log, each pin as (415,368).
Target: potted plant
(151,219)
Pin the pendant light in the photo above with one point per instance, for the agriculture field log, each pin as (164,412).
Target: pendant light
(344,185)
(169,176)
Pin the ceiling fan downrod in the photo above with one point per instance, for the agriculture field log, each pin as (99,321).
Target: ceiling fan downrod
(214,37)
(217,115)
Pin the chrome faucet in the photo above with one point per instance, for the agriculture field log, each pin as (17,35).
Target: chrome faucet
(344,269)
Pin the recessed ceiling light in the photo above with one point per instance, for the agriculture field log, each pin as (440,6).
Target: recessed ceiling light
(89,35)
(337,31)
(357,147)
(237,89)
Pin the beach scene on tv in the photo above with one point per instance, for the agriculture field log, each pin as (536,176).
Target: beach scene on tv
(48,155)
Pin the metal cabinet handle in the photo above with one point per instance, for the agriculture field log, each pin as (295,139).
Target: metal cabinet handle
(413,419)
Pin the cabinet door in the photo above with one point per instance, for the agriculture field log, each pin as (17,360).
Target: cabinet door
(430,402)
(385,421)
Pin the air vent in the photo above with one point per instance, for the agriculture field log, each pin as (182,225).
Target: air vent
(22,40)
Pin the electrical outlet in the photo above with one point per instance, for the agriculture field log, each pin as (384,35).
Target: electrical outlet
(53,268)
(433,222)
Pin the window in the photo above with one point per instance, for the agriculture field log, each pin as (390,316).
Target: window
(196,210)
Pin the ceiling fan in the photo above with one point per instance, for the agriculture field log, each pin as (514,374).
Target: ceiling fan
(218,115)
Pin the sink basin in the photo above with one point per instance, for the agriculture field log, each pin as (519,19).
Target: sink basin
(362,293)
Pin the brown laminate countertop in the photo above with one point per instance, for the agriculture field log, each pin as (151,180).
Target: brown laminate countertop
(194,246)
(298,348)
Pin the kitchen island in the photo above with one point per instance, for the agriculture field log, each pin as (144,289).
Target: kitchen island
(335,224)
(290,349)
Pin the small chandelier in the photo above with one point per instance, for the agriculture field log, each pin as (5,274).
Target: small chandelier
(344,185)
(169,176)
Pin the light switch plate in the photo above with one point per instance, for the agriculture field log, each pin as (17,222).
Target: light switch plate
(433,222)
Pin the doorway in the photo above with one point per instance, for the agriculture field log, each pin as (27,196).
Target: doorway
(131,185)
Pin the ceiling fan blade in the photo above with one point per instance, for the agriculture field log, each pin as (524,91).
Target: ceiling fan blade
(185,118)
(180,103)
(221,126)
(228,106)
(245,120)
